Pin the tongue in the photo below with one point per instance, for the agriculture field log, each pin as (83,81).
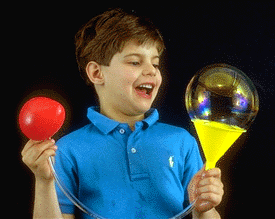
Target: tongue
(143,91)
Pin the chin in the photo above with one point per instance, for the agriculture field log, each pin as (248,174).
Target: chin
(142,108)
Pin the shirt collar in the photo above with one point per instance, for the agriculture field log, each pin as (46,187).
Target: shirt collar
(151,117)
(102,122)
(106,124)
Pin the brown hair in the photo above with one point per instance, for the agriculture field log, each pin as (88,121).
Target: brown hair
(106,34)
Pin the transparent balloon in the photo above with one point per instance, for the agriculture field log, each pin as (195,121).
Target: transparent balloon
(222,102)
(222,93)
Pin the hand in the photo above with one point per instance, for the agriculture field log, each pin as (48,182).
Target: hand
(36,154)
(208,188)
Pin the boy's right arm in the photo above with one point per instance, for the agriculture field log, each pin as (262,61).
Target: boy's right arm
(35,155)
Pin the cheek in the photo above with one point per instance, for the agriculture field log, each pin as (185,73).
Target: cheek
(128,79)
(122,83)
(159,80)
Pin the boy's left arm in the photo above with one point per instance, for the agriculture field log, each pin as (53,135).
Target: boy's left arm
(208,188)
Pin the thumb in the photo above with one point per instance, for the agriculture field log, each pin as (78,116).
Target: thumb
(193,184)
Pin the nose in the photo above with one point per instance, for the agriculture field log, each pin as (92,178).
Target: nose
(149,70)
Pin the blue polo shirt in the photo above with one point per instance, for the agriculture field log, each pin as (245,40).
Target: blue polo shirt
(120,173)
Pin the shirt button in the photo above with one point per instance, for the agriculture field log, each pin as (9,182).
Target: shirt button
(133,150)
(122,131)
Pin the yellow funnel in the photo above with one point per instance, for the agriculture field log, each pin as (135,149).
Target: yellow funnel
(216,138)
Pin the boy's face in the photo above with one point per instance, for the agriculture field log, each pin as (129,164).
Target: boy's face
(132,80)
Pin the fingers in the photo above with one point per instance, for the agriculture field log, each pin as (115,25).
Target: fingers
(35,155)
(215,172)
(45,155)
(34,149)
(194,182)
(211,198)
(202,173)
(210,181)
(29,144)
(210,188)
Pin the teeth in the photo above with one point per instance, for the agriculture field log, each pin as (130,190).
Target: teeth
(149,86)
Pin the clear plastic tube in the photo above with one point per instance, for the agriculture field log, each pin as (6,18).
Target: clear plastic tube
(88,211)
(185,211)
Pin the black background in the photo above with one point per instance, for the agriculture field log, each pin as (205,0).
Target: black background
(41,61)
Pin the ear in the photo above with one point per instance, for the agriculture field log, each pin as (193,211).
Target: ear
(94,73)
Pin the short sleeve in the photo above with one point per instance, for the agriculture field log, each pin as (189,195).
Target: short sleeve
(193,163)
(67,175)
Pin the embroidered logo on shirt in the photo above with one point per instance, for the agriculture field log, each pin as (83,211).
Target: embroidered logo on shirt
(171,161)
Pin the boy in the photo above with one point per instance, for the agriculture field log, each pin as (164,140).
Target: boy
(124,164)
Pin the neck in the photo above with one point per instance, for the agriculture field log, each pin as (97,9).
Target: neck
(122,117)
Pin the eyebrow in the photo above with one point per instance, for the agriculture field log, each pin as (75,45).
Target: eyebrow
(139,55)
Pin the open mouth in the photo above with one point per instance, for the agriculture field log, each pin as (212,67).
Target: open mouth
(145,90)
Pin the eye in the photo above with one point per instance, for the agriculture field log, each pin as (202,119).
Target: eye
(134,63)
(156,66)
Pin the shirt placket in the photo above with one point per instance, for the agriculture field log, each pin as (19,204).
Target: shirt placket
(135,158)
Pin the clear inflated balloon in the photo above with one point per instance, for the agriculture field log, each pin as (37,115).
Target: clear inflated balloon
(222,102)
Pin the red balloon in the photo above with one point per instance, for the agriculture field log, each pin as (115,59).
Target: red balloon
(41,117)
